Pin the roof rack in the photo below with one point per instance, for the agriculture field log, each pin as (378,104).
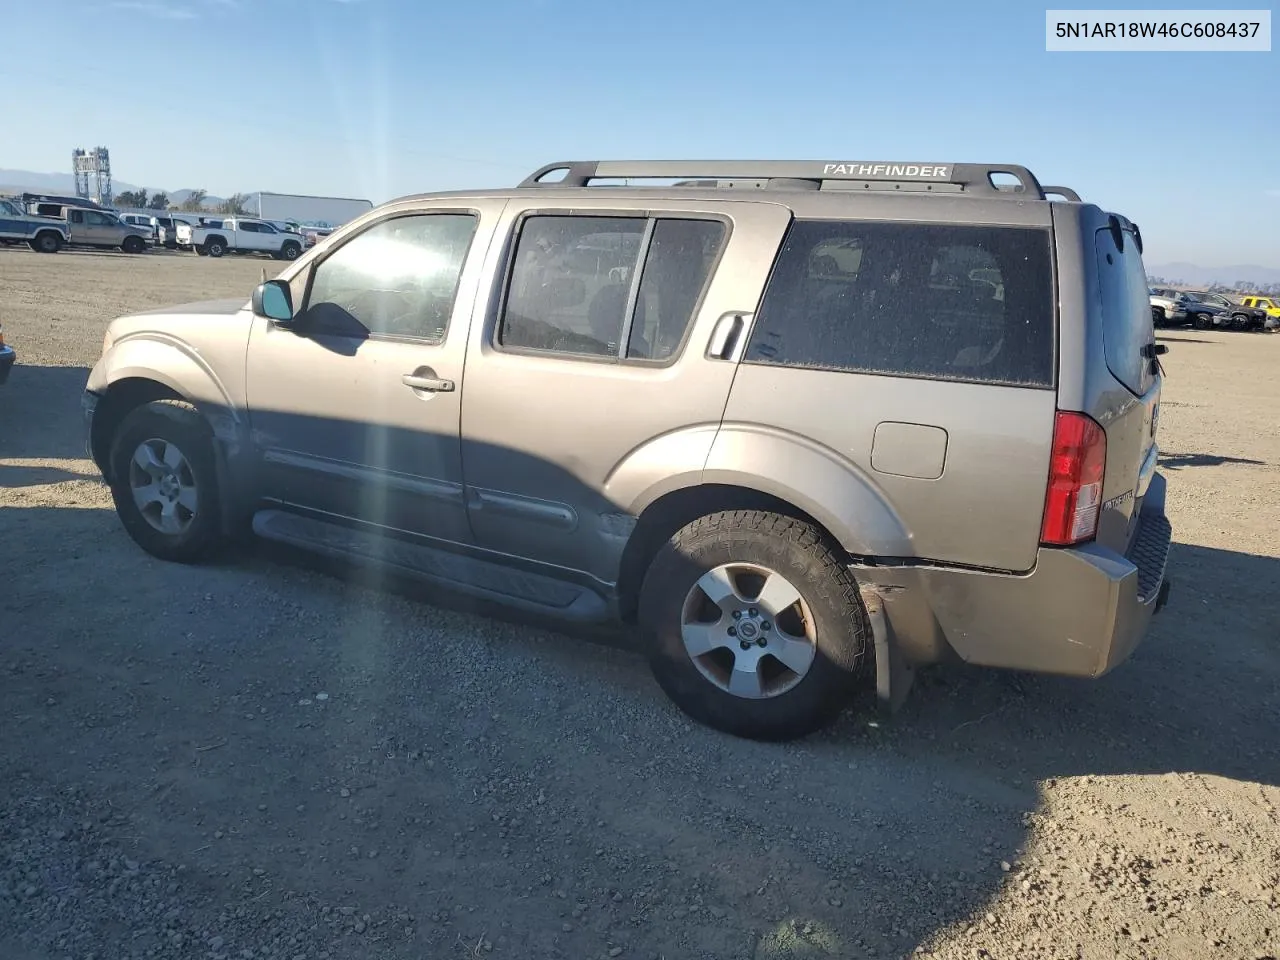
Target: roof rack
(1066,193)
(799,174)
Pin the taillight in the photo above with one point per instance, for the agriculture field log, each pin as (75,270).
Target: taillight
(1073,499)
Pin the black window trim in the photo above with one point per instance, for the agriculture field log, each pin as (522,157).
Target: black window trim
(1055,316)
(314,265)
(512,243)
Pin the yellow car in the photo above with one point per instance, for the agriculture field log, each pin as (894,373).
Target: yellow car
(1270,304)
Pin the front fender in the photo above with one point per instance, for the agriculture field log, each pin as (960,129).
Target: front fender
(175,364)
(814,478)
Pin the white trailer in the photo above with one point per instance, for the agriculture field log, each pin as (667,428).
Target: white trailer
(307,211)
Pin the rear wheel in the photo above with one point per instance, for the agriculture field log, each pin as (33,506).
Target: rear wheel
(1240,321)
(164,481)
(755,626)
(46,242)
(1202,321)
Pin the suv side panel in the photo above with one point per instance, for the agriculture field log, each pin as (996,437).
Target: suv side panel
(561,452)
(962,464)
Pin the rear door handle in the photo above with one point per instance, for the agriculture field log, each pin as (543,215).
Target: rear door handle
(431,384)
(725,337)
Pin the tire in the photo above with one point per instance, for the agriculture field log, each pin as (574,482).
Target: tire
(46,242)
(215,247)
(1241,321)
(1201,321)
(750,549)
(179,488)
(200,250)
(133,245)
(1157,317)
(291,251)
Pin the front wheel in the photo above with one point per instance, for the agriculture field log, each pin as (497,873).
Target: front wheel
(1202,321)
(1157,316)
(164,481)
(755,626)
(215,248)
(1241,321)
(133,245)
(291,251)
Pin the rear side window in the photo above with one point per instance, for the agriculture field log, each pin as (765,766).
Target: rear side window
(970,303)
(1126,311)
(625,288)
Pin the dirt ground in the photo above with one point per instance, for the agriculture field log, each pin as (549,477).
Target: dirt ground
(263,759)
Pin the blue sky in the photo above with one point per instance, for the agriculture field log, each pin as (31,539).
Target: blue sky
(378,98)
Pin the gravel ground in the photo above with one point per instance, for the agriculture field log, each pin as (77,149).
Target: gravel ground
(264,759)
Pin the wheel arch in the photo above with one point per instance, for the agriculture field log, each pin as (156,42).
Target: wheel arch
(679,507)
(139,369)
(114,404)
(681,476)
(49,231)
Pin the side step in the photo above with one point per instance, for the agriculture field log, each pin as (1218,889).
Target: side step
(480,578)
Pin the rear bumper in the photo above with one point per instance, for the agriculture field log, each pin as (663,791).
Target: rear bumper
(7,359)
(1081,612)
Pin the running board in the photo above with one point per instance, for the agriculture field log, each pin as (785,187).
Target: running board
(533,592)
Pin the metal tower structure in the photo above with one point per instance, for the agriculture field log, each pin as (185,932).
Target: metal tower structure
(92,169)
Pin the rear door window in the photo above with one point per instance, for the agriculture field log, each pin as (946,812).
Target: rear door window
(625,288)
(934,301)
(1126,311)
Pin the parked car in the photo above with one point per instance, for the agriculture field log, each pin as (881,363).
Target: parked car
(42,234)
(167,231)
(104,229)
(7,358)
(803,437)
(1269,305)
(184,230)
(143,222)
(241,235)
(313,235)
(1224,312)
(1168,306)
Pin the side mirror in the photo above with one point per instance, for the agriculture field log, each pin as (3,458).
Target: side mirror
(273,300)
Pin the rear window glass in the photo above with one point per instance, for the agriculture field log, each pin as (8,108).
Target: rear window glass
(1126,311)
(944,302)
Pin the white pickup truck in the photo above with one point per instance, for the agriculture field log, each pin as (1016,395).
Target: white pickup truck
(240,235)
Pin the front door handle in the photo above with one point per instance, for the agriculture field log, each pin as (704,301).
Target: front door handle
(432,384)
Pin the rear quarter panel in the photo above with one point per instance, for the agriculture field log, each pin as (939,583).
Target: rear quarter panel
(975,497)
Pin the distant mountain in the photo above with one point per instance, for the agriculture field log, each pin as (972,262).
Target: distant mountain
(1181,272)
(63,183)
(16,181)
